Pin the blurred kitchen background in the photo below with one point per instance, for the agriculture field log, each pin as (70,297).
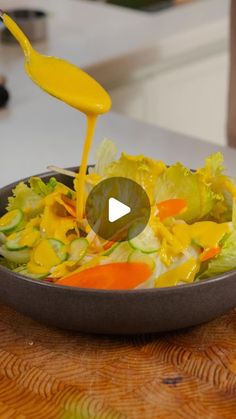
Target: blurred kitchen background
(165,63)
(147,5)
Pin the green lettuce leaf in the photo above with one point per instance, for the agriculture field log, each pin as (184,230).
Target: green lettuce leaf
(141,169)
(179,182)
(223,186)
(213,166)
(105,155)
(226,261)
(40,187)
(25,199)
(8,264)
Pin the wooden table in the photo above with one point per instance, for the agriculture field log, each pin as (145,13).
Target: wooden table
(47,373)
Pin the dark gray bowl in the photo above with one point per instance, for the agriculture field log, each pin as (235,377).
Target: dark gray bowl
(115,312)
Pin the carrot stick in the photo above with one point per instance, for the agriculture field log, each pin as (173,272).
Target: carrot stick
(108,245)
(113,276)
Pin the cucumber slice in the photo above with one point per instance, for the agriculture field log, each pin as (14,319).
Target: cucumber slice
(18,256)
(78,249)
(11,220)
(14,243)
(59,248)
(22,239)
(24,271)
(137,256)
(146,241)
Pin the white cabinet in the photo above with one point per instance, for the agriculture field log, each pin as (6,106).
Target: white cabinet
(187,93)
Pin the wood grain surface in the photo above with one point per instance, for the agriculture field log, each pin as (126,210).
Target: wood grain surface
(48,373)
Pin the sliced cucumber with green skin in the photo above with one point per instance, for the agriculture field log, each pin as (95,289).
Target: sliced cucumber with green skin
(137,256)
(146,241)
(78,249)
(25,272)
(14,244)
(15,217)
(108,252)
(59,248)
(16,256)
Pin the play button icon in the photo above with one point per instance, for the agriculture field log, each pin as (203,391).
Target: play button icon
(117,209)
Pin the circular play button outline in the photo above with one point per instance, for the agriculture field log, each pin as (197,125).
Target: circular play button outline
(117,209)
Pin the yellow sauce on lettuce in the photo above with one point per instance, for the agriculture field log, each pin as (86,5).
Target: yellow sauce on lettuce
(206,234)
(183,273)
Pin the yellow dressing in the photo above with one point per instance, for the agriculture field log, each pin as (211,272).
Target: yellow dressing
(183,273)
(34,222)
(171,245)
(29,237)
(44,255)
(64,269)
(70,84)
(206,233)
(54,225)
(33,268)
(91,122)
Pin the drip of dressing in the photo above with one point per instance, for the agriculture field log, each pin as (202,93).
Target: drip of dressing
(70,84)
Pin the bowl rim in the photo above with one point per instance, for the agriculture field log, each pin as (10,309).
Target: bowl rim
(141,291)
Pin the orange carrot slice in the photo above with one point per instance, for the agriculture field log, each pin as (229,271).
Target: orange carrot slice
(171,207)
(209,253)
(113,276)
(69,205)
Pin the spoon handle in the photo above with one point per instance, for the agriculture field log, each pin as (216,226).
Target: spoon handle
(17,33)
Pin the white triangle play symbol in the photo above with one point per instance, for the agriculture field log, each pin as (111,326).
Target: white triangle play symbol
(117,210)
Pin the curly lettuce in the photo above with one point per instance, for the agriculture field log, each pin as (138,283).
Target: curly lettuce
(141,169)
(213,167)
(223,186)
(40,187)
(225,261)
(179,182)
(105,155)
(30,198)
(26,199)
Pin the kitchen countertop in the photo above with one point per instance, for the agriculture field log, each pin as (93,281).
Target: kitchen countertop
(27,148)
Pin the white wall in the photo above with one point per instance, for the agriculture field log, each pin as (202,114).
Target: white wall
(186,90)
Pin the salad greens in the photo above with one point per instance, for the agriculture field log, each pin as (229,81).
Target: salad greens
(191,234)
